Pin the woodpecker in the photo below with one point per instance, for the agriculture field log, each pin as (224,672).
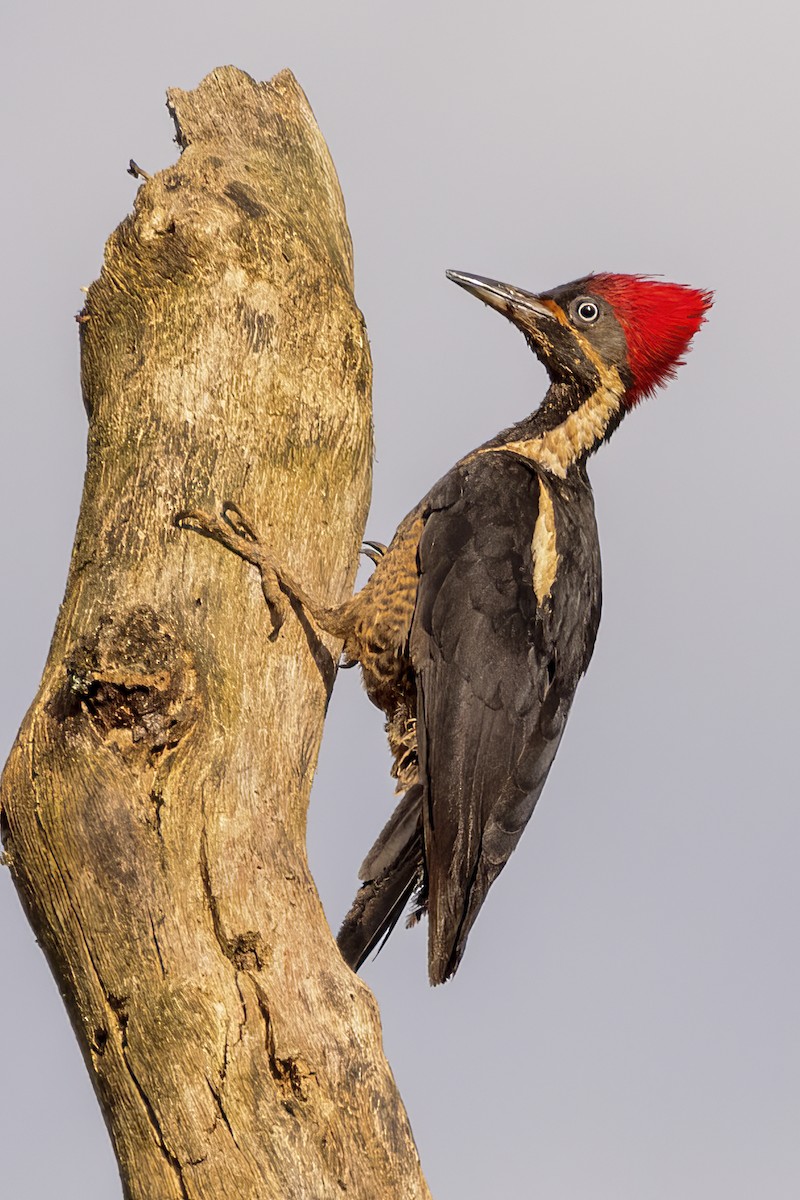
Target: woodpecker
(481,615)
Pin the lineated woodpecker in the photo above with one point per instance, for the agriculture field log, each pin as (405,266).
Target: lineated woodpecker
(480,617)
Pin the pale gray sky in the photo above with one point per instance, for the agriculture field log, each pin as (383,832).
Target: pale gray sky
(625,1023)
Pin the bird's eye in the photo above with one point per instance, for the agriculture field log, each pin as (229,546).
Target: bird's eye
(587,311)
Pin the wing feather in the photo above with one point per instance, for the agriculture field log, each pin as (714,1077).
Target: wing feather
(491,703)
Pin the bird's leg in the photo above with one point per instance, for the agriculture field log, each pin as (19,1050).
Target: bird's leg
(233,531)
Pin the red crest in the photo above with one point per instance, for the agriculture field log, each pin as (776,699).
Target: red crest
(659,321)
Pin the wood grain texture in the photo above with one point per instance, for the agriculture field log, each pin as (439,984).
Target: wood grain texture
(153,806)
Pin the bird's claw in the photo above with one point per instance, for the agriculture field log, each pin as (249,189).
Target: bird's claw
(238,522)
(234,531)
(373,550)
(277,603)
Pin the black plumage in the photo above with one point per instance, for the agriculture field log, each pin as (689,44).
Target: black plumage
(495,671)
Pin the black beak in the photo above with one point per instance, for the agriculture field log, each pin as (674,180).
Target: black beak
(512,302)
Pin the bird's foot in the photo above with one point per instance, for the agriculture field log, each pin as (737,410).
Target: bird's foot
(236,533)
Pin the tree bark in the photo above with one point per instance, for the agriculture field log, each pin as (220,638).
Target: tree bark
(153,806)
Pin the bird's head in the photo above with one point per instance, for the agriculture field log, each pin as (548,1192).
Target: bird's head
(626,333)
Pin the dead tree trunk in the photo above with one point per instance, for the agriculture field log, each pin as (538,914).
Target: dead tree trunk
(153,807)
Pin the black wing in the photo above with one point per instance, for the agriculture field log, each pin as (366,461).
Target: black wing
(496,674)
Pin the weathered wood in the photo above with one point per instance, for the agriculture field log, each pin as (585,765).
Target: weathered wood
(153,806)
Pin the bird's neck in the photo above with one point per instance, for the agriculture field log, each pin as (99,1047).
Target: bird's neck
(568,426)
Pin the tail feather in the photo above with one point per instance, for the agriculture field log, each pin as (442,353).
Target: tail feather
(393,870)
